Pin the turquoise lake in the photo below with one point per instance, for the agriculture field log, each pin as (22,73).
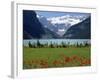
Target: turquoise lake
(57,41)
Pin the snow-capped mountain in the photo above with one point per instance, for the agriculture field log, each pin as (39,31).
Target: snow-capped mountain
(62,23)
(67,19)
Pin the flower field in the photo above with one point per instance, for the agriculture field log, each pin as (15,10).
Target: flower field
(35,58)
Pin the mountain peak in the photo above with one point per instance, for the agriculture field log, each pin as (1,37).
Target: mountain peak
(67,19)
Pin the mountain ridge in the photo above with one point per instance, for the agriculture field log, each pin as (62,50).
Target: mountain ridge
(39,27)
(60,24)
(33,29)
(81,30)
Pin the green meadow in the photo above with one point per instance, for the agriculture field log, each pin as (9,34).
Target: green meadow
(34,58)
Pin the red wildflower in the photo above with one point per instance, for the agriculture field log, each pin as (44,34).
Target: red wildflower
(67,59)
(43,63)
(56,62)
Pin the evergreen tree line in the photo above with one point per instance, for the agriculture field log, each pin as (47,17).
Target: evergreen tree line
(55,45)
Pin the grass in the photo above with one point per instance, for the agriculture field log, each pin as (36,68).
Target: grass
(55,57)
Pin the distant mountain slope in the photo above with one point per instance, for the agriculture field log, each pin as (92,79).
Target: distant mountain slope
(81,30)
(60,24)
(46,24)
(33,29)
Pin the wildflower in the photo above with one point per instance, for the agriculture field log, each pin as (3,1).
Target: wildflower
(43,63)
(56,62)
(67,59)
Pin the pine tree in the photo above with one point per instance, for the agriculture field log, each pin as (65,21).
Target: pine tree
(38,43)
(30,45)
